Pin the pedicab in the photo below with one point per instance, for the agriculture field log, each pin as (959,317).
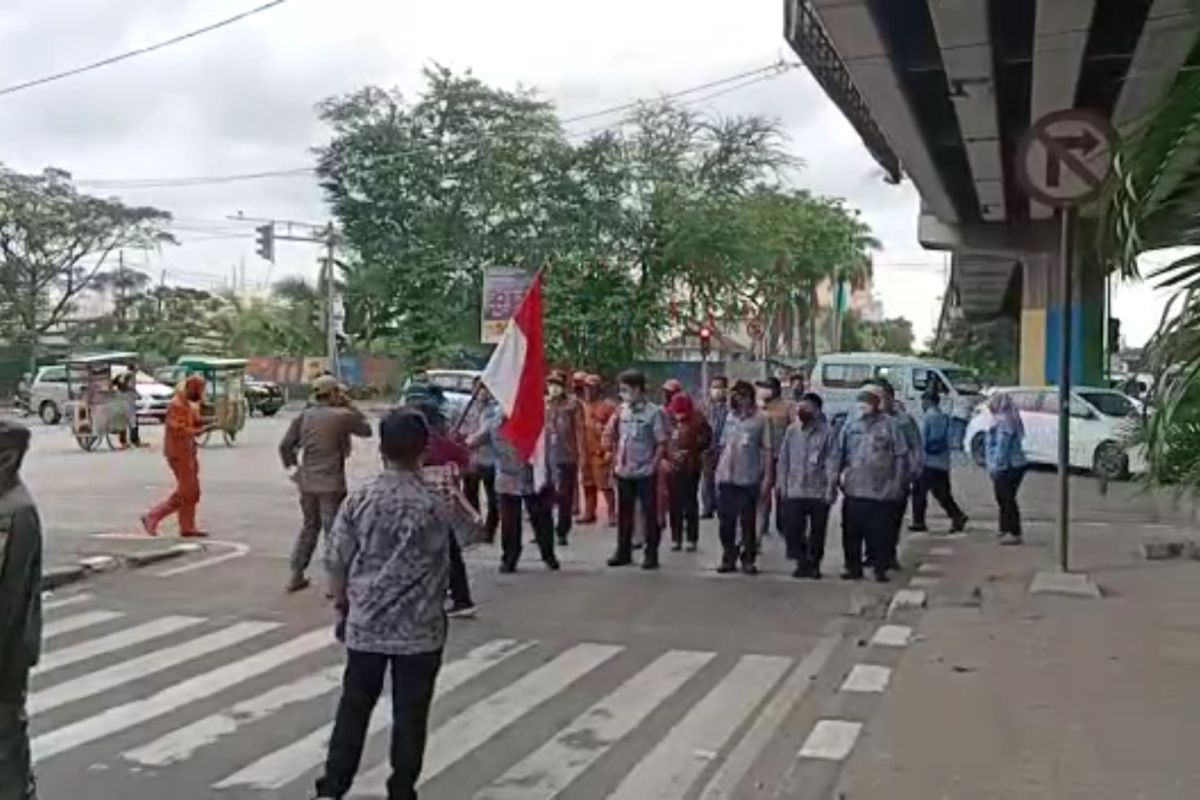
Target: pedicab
(95,407)
(224,406)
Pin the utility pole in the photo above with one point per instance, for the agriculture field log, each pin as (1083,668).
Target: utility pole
(331,339)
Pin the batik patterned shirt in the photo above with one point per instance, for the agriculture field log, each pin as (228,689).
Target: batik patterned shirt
(391,545)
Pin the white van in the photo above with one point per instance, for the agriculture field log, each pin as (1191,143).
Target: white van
(838,377)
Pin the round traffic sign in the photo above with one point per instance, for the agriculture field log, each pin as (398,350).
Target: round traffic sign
(1066,157)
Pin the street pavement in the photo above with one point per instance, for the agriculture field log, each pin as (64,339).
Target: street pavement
(200,678)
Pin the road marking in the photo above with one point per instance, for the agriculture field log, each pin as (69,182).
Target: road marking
(867,678)
(182,743)
(923,582)
(113,642)
(724,783)
(831,739)
(584,741)
(129,715)
(94,683)
(892,636)
(906,599)
(671,768)
(929,569)
(77,622)
(941,551)
(276,770)
(73,600)
(237,550)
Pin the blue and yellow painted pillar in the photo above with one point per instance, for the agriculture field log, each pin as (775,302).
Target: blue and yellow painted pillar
(1041,316)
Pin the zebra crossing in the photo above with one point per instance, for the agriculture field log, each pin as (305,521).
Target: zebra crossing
(149,696)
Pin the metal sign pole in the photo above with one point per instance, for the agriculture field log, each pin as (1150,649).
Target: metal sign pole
(1066,266)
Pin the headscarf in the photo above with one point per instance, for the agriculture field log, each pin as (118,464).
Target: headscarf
(681,405)
(192,384)
(1004,413)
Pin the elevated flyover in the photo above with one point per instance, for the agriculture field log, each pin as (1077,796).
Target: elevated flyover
(942,91)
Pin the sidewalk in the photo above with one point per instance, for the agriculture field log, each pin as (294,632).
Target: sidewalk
(1008,695)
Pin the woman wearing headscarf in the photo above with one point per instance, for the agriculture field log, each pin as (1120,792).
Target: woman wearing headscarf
(690,438)
(183,425)
(1006,463)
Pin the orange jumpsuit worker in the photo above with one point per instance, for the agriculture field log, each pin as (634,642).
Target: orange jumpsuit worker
(597,470)
(183,424)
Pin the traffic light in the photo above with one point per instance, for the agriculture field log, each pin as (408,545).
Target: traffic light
(1114,335)
(265,241)
(705,335)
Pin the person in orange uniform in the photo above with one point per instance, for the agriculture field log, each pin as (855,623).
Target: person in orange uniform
(597,468)
(183,424)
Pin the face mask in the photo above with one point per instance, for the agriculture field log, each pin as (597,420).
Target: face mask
(865,409)
(556,390)
(626,396)
(803,414)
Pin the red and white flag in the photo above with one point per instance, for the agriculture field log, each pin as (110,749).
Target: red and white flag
(516,377)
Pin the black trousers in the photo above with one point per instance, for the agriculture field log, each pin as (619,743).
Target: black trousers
(631,493)
(566,489)
(737,507)
(867,525)
(684,489)
(538,508)
(485,478)
(460,586)
(413,679)
(805,522)
(937,483)
(1006,484)
(16,765)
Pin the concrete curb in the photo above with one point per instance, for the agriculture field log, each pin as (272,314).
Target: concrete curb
(136,560)
(57,577)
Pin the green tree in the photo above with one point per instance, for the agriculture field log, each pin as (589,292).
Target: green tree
(991,347)
(54,241)
(889,336)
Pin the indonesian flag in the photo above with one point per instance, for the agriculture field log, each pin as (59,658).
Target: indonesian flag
(516,377)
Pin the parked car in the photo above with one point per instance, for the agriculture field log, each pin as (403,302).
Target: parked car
(265,397)
(1101,422)
(48,394)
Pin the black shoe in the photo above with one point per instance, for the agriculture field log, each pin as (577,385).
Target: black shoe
(918,528)
(298,583)
(852,576)
(725,568)
(620,561)
(677,546)
(691,546)
(882,577)
(708,515)
(800,572)
(552,564)
(650,563)
(507,568)
(815,574)
(562,541)
(638,545)
(461,611)
(959,525)
(750,568)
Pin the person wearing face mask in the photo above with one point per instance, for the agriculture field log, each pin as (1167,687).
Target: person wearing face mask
(743,474)
(638,436)
(716,411)
(564,446)
(935,476)
(690,439)
(778,413)
(183,424)
(796,385)
(20,612)
(807,485)
(871,461)
(911,432)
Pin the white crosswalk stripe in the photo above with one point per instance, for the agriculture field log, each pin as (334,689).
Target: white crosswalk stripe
(266,686)
(55,603)
(77,623)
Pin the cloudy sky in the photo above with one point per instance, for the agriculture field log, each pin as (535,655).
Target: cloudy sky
(240,100)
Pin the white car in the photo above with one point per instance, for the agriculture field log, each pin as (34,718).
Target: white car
(1101,422)
(48,394)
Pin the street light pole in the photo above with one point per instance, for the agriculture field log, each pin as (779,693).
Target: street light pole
(331,342)
(1066,266)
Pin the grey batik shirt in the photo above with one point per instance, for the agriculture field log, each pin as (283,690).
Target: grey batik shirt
(391,546)
(745,450)
(805,469)
(872,458)
(641,431)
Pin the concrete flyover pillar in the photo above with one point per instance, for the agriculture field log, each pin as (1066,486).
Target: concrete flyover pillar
(1041,317)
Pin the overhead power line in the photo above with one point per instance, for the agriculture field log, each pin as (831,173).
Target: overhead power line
(58,76)
(740,81)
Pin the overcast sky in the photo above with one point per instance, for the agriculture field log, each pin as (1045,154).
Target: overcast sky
(241,100)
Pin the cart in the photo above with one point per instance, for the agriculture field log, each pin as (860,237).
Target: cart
(96,409)
(224,406)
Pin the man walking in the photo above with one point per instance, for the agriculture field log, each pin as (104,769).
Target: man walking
(716,411)
(316,445)
(807,485)
(20,612)
(871,459)
(564,446)
(389,560)
(639,438)
(743,474)
(911,432)
(935,474)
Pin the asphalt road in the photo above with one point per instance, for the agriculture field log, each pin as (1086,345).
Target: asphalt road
(201,679)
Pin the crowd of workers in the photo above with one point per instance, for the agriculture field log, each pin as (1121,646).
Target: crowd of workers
(747,455)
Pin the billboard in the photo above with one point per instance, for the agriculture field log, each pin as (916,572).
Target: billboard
(503,290)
